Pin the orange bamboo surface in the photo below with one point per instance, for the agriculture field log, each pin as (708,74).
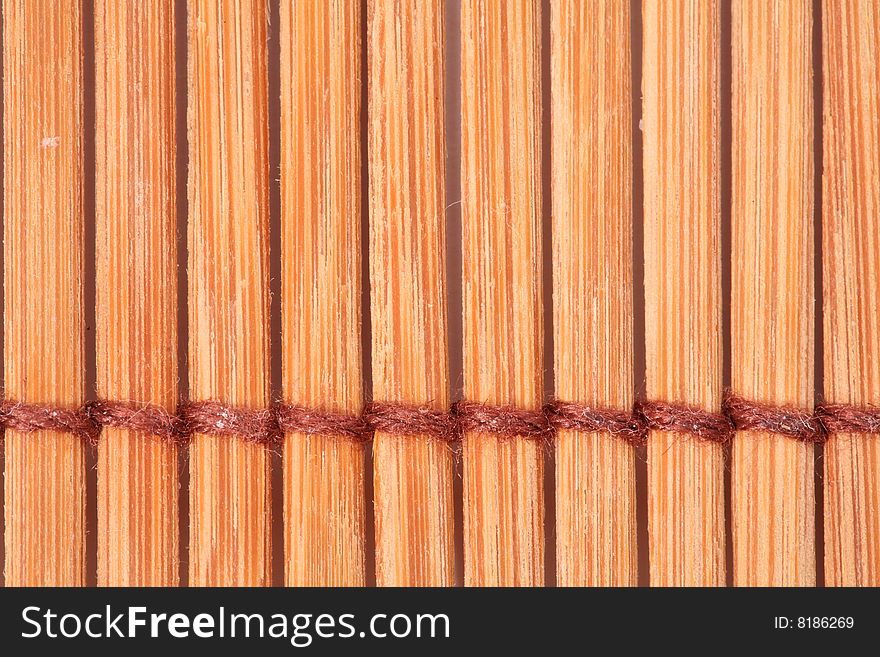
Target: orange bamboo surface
(851,251)
(592,287)
(501,254)
(136,305)
(44,480)
(320,142)
(230,501)
(772,328)
(708,173)
(413,474)
(680,87)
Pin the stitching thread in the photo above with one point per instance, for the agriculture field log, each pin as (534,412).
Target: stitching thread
(684,419)
(28,418)
(313,422)
(266,425)
(407,420)
(144,418)
(797,423)
(503,421)
(213,418)
(568,416)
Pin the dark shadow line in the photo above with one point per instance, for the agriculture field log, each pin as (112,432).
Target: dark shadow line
(366,316)
(273,70)
(181,163)
(547,286)
(89,281)
(818,280)
(454,307)
(726,200)
(638,278)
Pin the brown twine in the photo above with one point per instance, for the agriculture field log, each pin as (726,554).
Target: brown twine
(684,419)
(501,421)
(29,418)
(142,418)
(749,415)
(213,418)
(844,418)
(315,422)
(406,420)
(568,416)
(264,425)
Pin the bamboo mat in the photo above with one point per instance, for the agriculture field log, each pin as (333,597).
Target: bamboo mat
(425,293)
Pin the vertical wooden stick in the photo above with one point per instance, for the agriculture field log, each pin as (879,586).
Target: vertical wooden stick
(321,218)
(501,254)
(592,287)
(680,86)
(43,322)
(136,256)
(412,475)
(772,286)
(851,251)
(230,502)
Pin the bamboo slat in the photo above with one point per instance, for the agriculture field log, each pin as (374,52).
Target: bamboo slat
(412,475)
(772,286)
(136,305)
(593,287)
(501,255)
(44,481)
(230,501)
(851,251)
(681,117)
(321,279)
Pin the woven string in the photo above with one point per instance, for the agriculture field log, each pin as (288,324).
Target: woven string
(748,415)
(313,422)
(502,421)
(845,418)
(407,420)
(687,420)
(214,418)
(142,418)
(28,418)
(566,416)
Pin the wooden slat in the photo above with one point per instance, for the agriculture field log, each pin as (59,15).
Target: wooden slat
(851,251)
(44,481)
(412,475)
(772,287)
(321,276)
(136,253)
(681,119)
(593,286)
(501,255)
(230,502)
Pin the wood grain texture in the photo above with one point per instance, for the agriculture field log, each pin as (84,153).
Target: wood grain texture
(680,89)
(44,481)
(772,286)
(321,286)
(501,256)
(851,251)
(593,287)
(230,501)
(136,305)
(412,475)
